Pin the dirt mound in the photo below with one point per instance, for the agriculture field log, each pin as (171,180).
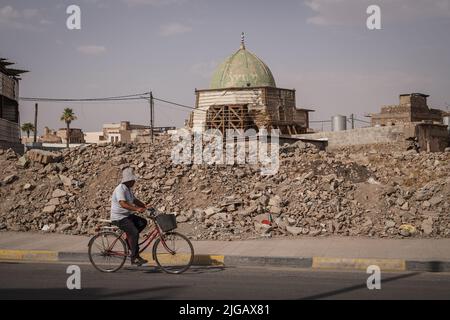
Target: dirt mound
(315,193)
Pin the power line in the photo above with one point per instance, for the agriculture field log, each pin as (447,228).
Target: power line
(114,98)
(174,103)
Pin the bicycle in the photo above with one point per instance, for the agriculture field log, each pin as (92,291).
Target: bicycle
(172,251)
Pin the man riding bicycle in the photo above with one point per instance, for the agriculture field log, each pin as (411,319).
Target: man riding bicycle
(123,206)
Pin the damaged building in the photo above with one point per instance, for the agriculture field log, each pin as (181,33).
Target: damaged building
(243,95)
(413,107)
(9,106)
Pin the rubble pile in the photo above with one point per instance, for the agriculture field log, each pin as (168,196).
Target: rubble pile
(315,193)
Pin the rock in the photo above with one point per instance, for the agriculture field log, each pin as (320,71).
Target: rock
(10,179)
(407,230)
(275,210)
(43,157)
(294,230)
(405,206)
(427,226)
(23,162)
(275,201)
(28,186)
(262,227)
(435,200)
(390,224)
(66,180)
(141,165)
(170,182)
(49,209)
(207,191)
(46,228)
(426,204)
(423,194)
(58,193)
(211,211)
(64,227)
(400,201)
(182,219)
(54,202)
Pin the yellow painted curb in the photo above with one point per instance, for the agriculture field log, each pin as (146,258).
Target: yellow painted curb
(209,260)
(202,259)
(29,255)
(360,264)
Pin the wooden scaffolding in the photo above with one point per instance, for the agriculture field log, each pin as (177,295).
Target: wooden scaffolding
(223,117)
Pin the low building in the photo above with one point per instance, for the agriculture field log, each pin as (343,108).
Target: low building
(9,106)
(413,107)
(123,131)
(94,137)
(49,136)
(76,135)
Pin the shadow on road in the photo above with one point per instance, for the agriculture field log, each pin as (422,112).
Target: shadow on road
(88,293)
(357,287)
(191,270)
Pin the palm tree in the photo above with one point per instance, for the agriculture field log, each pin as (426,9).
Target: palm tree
(27,127)
(68,116)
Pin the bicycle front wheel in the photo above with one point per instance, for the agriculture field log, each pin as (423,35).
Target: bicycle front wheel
(107,251)
(173,253)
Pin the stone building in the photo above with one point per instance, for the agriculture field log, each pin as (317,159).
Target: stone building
(413,107)
(9,106)
(242,95)
(123,132)
(50,136)
(76,135)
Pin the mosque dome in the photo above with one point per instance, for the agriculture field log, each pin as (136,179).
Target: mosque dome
(242,69)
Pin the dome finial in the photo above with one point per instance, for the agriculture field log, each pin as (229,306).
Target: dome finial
(242,40)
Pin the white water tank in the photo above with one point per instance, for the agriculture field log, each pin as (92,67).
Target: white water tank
(339,123)
(446,121)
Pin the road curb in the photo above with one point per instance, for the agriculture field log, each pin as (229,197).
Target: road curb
(315,263)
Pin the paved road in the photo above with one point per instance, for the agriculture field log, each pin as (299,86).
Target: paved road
(47,281)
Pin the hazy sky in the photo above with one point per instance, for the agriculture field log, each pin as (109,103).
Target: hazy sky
(322,48)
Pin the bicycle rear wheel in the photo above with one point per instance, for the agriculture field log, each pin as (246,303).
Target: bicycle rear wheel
(107,251)
(173,253)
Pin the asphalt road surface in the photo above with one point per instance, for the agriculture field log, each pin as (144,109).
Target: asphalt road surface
(48,281)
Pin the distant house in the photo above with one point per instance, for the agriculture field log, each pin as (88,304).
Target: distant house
(413,107)
(76,135)
(123,131)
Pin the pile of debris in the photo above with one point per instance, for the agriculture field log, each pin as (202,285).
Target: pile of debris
(315,193)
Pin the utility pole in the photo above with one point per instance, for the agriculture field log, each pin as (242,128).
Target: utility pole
(352,119)
(35,122)
(151,115)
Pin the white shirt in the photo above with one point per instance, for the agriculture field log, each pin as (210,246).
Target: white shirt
(121,193)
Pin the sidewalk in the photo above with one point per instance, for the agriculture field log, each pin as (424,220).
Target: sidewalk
(319,253)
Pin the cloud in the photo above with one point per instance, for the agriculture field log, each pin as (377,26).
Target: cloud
(174,29)
(26,19)
(351,12)
(91,50)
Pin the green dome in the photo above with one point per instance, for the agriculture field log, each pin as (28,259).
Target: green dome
(242,69)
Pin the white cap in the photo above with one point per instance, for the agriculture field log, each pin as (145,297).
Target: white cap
(127,175)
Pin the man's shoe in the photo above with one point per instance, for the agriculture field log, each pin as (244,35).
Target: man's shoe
(138,261)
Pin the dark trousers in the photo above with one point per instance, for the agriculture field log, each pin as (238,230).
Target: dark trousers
(132,225)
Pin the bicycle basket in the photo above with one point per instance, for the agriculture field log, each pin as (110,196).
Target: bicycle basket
(166,222)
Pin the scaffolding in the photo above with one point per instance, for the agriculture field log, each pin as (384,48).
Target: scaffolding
(224,117)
